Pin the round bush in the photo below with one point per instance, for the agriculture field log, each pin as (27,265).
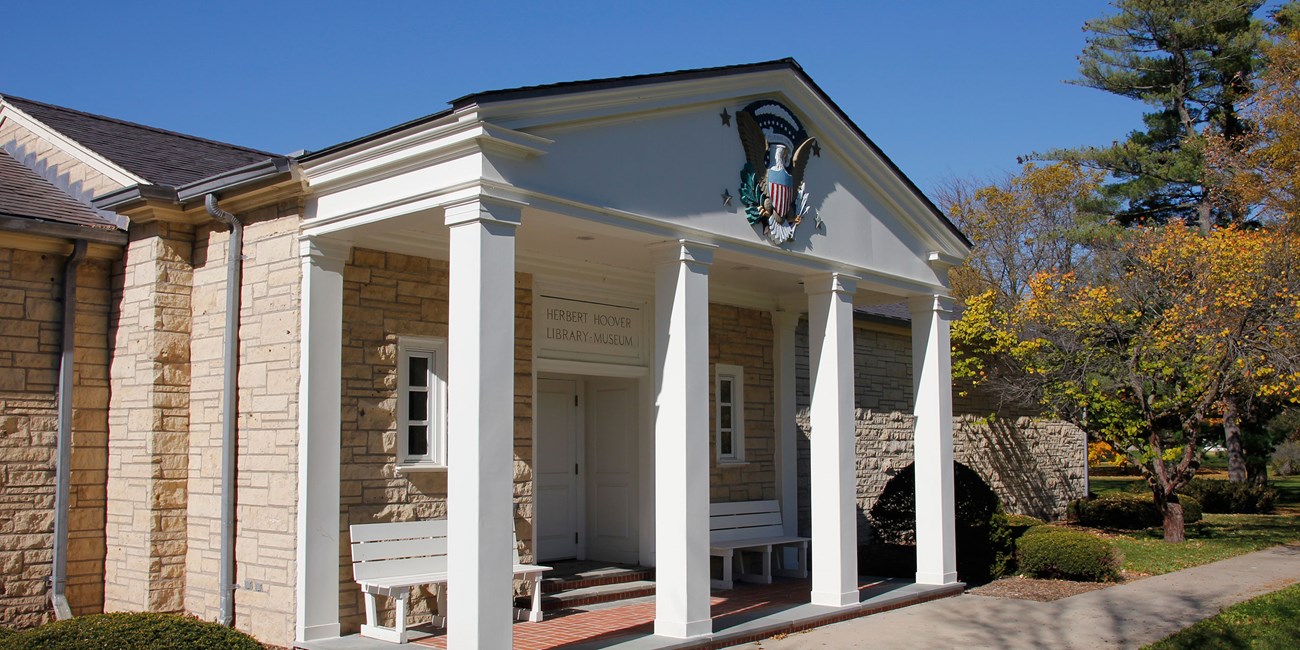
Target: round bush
(1124,511)
(1067,555)
(130,631)
(980,538)
(1231,498)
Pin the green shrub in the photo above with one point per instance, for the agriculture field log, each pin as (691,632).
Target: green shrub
(979,540)
(130,631)
(1285,460)
(1231,498)
(1040,530)
(6,633)
(1005,531)
(1126,511)
(1067,555)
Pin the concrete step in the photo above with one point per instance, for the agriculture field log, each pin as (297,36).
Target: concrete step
(597,594)
(595,578)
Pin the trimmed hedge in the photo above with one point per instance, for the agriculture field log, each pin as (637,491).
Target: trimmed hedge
(130,631)
(1231,498)
(1067,555)
(1125,511)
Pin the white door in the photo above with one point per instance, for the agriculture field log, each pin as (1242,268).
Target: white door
(558,515)
(612,470)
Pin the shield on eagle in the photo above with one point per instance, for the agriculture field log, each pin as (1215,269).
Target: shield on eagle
(780,184)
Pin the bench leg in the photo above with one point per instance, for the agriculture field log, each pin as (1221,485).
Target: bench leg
(536,615)
(800,565)
(726,581)
(372,629)
(440,616)
(764,575)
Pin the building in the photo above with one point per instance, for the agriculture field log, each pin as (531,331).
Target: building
(444,318)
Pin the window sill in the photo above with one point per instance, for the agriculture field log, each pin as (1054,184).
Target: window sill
(729,464)
(404,468)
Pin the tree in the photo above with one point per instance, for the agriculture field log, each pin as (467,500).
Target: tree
(1141,345)
(1193,61)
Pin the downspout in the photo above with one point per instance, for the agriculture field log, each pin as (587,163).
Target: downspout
(229,407)
(63,464)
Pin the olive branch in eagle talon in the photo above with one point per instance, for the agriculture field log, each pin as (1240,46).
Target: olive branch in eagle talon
(753,176)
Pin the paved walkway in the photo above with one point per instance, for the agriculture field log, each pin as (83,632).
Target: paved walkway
(1125,616)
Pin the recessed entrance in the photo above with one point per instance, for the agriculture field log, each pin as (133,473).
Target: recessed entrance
(586,469)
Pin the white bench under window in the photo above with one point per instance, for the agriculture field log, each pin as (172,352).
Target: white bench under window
(389,559)
(744,534)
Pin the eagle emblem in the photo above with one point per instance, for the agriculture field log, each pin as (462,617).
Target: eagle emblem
(771,182)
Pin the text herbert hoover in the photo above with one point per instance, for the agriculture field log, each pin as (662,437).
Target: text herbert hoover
(577,334)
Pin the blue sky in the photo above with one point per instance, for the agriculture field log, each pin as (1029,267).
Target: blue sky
(946,88)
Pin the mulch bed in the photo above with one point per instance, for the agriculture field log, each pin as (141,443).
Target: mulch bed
(1021,588)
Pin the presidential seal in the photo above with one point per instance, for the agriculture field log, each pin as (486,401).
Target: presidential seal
(771,182)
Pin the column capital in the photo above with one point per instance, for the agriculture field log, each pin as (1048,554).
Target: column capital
(483,209)
(683,250)
(922,305)
(830,283)
(785,320)
(321,249)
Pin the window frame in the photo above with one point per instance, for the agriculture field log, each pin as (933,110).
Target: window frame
(436,350)
(736,374)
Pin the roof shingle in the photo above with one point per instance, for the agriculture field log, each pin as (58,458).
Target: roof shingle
(158,156)
(25,194)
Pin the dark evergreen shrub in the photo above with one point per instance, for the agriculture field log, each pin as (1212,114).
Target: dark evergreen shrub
(1124,511)
(1067,555)
(979,538)
(1231,498)
(130,631)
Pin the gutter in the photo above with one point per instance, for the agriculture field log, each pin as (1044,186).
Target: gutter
(229,407)
(63,464)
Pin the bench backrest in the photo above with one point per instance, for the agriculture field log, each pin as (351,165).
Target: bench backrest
(744,520)
(402,548)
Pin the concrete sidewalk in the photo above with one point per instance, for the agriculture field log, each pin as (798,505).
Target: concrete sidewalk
(1125,616)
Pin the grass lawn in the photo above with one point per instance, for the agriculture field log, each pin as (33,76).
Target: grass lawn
(1216,537)
(1269,621)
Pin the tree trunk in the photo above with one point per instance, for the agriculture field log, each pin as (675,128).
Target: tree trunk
(1173,523)
(1232,441)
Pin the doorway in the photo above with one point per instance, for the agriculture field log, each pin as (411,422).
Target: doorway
(586,469)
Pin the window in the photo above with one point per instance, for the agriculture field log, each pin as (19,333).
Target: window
(729,426)
(421,402)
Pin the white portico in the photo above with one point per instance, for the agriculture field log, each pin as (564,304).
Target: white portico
(611,216)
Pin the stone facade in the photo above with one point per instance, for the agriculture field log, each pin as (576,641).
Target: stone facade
(267,455)
(31,315)
(743,337)
(1035,466)
(149,420)
(386,296)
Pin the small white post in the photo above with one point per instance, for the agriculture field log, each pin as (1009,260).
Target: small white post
(682,440)
(480,410)
(834,484)
(319,431)
(936,541)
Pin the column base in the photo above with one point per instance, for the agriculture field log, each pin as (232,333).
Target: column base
(936,578)
(683,630)
(844,599)
(318,632)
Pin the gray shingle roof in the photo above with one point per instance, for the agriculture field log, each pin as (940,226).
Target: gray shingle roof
(158,156)
(25,194)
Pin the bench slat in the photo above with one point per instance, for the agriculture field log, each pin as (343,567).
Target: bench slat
(363,571)
(398,530)
(723,522)
(754,541)
(371,551)
(743,508)
(731,535)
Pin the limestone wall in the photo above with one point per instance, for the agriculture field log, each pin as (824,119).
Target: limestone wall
(385,296)
(267,472)
(149,420)
(743,337)
(31,314)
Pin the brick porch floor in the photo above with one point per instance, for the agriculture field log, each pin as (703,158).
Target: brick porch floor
(747,613)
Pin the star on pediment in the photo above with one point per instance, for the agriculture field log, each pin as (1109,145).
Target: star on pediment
(817,149)
(726,197)
(726,117)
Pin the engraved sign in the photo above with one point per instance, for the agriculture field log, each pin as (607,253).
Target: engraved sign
(579,329)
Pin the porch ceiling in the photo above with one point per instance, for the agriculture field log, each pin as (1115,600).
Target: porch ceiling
(555,245)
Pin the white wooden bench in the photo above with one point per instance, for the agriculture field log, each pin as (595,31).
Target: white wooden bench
(742,528)
(389,559)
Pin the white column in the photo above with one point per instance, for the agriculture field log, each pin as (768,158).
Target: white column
(682,440)
(480,423)
(784,323)
(319,422)
(936,542)
(834,485)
